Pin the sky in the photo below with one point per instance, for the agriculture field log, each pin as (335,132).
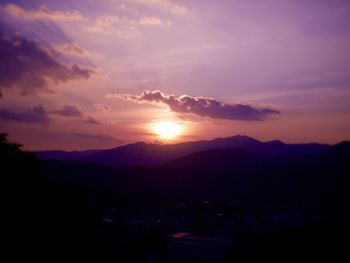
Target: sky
(88,74)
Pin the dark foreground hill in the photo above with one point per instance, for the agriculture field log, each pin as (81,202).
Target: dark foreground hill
(221,174)
(238,186)
(265,207)
(158,154)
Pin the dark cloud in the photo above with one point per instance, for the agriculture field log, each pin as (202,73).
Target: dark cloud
(98,137)
(75,111)
(70,111)
(38,114)
(207,107)
(35,114)
(31,66)
(90,120)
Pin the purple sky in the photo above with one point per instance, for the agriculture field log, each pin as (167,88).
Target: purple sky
(82,74)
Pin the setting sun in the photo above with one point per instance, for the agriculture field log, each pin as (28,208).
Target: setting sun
(167,130)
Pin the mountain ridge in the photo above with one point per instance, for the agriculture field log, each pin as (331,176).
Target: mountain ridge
(151,154)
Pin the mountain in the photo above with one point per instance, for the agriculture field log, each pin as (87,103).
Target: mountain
(64,155)
(157,154)
(223,158)
(219,174)
(265,197)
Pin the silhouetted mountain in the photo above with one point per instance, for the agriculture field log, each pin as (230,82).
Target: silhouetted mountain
(64,155)
(229,157)
(266,185)
(228,174)
(158,154)
(341,150)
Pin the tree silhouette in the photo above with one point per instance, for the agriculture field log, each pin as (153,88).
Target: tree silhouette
(10,150)
(23,192)
(16,165)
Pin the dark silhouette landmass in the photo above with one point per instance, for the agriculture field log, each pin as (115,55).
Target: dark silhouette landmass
(221,174)
(256,201)
(23,193)
(157,154)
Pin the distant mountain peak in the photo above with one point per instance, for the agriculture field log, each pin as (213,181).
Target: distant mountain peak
(237,140)
(243,138)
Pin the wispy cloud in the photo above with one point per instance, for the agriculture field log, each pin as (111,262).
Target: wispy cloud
(102,107)
(152,21)
(110,23)
(125,19)
(90,120)
(70,49)
(165,5)
(206,107)
(42,13)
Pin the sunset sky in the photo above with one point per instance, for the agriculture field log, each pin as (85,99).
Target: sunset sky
(89,74)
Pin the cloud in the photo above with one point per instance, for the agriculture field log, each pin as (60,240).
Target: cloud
(153,21)
(70,49)
(98,137)
(90,120)
(70,111)
(42,13)
(40,115)
(206,107)
(75,111)
(107,23)
(166,5)
(126,18)
(31,66)
(36,114)
(102,107)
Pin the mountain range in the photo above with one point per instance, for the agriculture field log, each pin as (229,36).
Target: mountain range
(150,154)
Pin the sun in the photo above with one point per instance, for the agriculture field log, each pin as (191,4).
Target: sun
(167,130)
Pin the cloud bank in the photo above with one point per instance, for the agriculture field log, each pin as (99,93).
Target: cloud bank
(38,114)
(31,67)
(201,106)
